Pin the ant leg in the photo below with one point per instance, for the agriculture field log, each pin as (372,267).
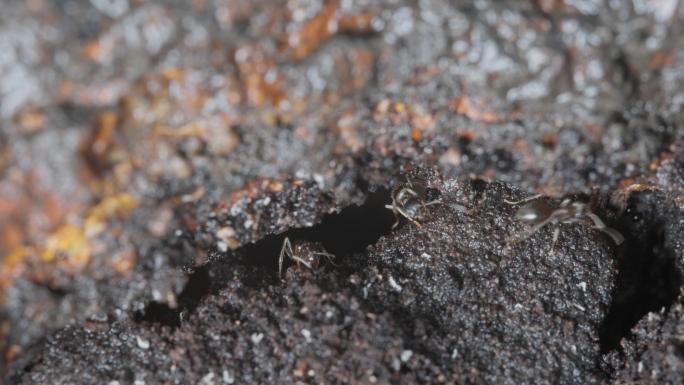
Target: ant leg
(435,202)
(598,224)
(408,216)
(459,207)
(300,260)
(530,198)
(396,215)
(287,249)
(617,237)
(528,233)
(398,210)
(556,233)
(330,258)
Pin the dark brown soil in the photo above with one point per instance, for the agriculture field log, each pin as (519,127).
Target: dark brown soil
(153,159)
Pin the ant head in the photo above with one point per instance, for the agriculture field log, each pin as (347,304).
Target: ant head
(413,205)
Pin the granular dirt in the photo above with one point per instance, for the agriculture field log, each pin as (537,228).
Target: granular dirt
(153,159)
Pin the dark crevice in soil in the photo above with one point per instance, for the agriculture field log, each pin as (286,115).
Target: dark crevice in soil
(346,233)
(343,234)
(156,312)
(648,279)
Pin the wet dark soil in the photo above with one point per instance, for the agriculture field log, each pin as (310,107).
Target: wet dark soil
(154,158)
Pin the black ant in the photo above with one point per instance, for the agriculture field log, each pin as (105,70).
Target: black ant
(409,198)
(539,214)
(306,253)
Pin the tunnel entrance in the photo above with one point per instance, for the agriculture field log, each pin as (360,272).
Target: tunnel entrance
(342,234)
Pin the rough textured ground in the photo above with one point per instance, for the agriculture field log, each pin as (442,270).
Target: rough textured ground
(153,159)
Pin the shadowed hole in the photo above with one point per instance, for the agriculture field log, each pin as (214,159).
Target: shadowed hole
(156,312)
(648,279)
(342,234)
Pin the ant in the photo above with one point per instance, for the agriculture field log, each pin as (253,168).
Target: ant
(306,253)
(408,198)
(539,214)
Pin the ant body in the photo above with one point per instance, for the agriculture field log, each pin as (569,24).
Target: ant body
(539,214)
(408,199)
(306,253)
